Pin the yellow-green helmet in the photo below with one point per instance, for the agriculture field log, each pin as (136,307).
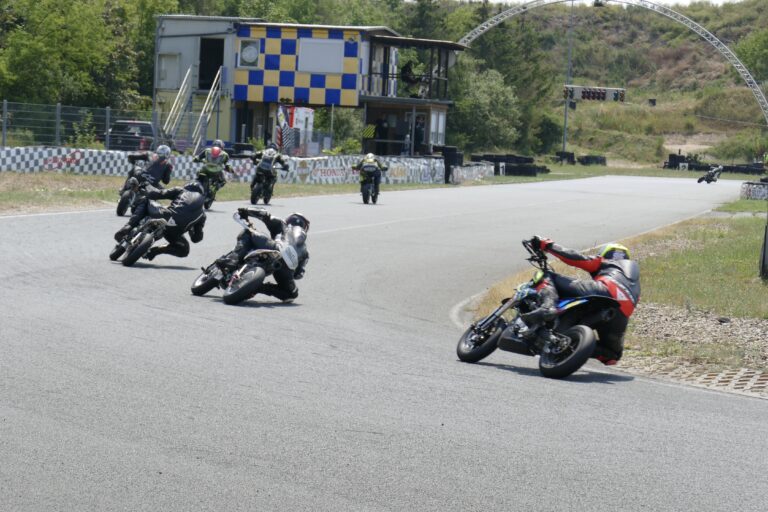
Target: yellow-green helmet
(613,251)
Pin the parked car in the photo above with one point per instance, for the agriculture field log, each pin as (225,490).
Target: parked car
(131,135)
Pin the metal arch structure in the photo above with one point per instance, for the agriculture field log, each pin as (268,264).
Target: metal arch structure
(669,13)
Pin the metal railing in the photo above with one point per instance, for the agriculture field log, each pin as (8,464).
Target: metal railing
(31,124)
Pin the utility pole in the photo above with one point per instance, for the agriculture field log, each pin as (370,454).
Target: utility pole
(568,76)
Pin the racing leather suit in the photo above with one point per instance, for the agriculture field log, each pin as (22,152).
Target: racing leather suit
(247,241)
(185,213)
(619,279)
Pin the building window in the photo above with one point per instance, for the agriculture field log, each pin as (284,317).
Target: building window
(249,53)
(437,128)
(321,56)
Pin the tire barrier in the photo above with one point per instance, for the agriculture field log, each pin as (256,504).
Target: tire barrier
(754,190)
(319,170)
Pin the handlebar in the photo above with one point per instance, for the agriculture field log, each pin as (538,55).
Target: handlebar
(537,258)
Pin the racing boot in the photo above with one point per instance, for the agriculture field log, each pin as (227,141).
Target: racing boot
(122,232)
(279,293)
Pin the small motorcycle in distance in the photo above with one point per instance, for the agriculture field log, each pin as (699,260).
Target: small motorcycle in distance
(368,186)
(563,344)
(212,181)
(712,174)
(263,184)
(131,188)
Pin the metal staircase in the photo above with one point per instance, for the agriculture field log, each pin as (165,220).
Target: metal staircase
(211,104)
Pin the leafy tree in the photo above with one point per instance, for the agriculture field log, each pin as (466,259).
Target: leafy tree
(486,113)
(753,53)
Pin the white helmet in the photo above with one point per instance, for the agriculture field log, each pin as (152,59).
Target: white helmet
(370,156)
(163,151)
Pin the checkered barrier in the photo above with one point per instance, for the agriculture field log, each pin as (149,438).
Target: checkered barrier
(474,171)
(754,190)
(320,170)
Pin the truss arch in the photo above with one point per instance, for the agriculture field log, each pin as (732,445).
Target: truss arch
(665,11)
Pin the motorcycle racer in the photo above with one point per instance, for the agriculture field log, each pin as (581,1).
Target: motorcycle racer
(613,274)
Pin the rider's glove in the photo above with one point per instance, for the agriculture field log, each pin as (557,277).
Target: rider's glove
(298,274)
(541,243)
(243,213)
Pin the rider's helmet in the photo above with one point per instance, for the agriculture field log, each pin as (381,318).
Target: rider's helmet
(270,152)
(370,157)
(163,152)
(194,186)
(613,251)
(217,144)
(297,219)
(272,145)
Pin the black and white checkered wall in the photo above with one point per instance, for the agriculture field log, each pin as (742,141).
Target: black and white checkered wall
(320,170)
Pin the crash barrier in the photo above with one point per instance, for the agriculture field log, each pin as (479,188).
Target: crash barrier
(686,163)
(754,190)
(471,171)
(318,170)
(591,160)
(510,165)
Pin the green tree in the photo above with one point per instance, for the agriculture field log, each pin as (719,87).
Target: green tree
(753,53)
(485,114)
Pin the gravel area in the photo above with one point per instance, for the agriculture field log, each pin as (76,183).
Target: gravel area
(692,328)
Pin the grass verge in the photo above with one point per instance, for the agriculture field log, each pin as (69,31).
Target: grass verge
(46,191)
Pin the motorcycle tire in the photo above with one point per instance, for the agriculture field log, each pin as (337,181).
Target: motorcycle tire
(245,286)
(700,179)
(558,366)
(137,251)
(374,198)
(204,283)
(123,203)
(116,252)
(208,202)
(471,352)
(255,193)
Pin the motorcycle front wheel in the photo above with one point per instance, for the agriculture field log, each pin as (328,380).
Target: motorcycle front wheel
(244,287)
(116,252)
(123,203)
(563,362)
(366,190)
(255,193)
(474,346)
(137,251)
(206,281)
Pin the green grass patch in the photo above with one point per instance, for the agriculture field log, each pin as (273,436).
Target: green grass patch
(745,205)
(709,264)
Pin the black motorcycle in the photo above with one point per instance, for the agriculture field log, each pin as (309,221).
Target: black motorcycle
(712,174)
(244,282)
(131,190)
(213,180)
(138,241)
(563,343)
(263,184)
(368,186)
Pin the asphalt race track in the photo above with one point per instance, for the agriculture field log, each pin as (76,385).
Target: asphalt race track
(119,390)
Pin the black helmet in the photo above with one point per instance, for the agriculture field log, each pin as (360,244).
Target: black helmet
(217,144)
(297,219)
(194,186)
(272,145)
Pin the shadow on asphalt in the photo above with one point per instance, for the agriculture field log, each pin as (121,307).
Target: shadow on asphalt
(584,375)
(141,264)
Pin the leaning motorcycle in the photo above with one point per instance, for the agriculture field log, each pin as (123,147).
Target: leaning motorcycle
(130,192)
(712,174)
(563,343)
(244,282)
(368,187)
(138,241)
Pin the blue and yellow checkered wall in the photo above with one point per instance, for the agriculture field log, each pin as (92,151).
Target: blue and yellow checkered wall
(277,78)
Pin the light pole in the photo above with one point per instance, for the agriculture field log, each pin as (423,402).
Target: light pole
(568,74)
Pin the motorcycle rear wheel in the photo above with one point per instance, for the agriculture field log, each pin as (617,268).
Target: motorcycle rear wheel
(137,251)
(205,282)
(123,203)
(245,286)
(558,366)
(472,350)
